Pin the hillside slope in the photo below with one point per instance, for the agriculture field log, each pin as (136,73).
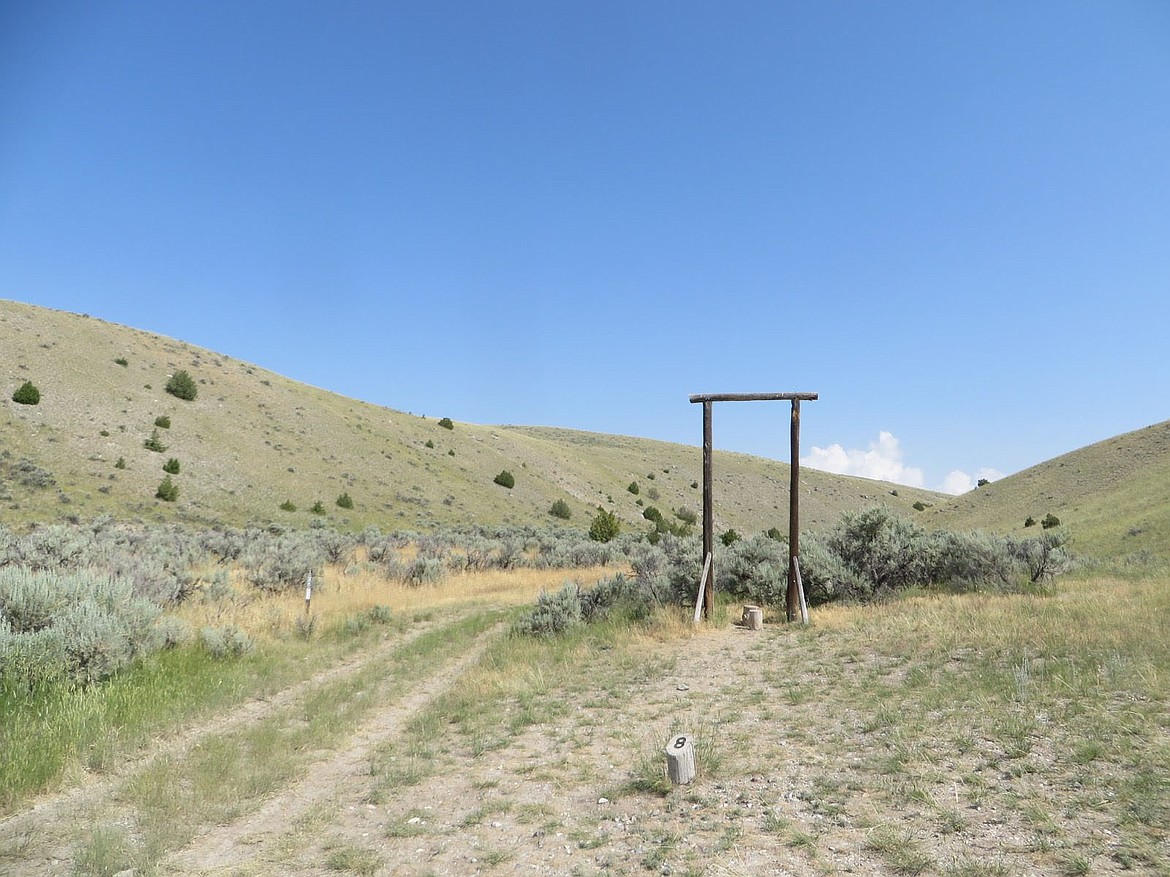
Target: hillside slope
(1114,496)
(253,440)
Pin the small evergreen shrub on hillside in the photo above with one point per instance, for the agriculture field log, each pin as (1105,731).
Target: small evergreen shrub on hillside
(167,491)
(121,463)
(122,361)
(317,508)
(774,533)
(920,506)
(1029,521)
(505,479)
(430,444)
(182,386)
(560,509)
(345,501)
(633,488)
(26,394)
(729,538)
(171,466)
(154,443)
(162,422)
(1050,521)
(288,506)
(446,423)
(604,527)
(650,513)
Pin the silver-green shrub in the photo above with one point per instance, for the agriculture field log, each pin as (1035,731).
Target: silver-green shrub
(555,612)
(1045,556)
(616,594)
(225,642)
(825,576)
(29,660)
(756,569)
(283,562)
(886,550)
(92,623)
(971,560)
(424,571)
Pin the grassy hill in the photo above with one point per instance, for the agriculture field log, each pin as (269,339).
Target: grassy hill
(253,440)
(1114,496)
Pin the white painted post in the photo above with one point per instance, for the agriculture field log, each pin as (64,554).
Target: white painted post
(680,759)
(702,588)
(308,590)
(800,591)
(753,617)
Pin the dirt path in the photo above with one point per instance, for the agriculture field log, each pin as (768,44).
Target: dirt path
(552,800)
(247,839)
(43,831)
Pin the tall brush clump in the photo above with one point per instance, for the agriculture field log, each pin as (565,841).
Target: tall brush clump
(283,563)
(77,625)
(883,549)
(757,569)
(557,612)
(554,613)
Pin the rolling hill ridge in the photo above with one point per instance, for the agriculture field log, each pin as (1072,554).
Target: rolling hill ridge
(253,446)
(256,447)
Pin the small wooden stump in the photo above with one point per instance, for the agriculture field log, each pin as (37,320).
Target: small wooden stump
(680,759)
(753,618)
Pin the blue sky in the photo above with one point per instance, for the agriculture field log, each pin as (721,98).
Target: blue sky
(951,220)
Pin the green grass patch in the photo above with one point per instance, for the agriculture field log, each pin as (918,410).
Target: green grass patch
(97,727)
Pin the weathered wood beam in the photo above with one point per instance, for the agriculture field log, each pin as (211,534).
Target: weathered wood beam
(753,397)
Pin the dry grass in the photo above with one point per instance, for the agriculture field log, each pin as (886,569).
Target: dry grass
(340,596)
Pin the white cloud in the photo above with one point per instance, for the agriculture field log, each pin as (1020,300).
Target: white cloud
(959,481)
(882,461)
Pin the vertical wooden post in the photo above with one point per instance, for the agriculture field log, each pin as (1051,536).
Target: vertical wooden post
(708,511)
(794,490)
(793,599)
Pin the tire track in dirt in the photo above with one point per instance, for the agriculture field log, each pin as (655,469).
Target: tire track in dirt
(231,845)
(25,827)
